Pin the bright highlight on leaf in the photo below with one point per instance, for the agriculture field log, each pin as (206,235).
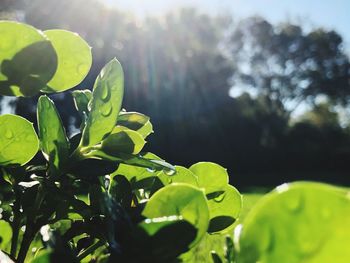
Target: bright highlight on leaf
(211,176)
(54,142)
(27,59)
(74,60)
(16,134)
(298,222)
(105,104)
(224,209)
(122,140)
(181,200)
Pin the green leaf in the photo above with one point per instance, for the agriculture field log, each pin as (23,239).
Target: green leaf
(180,200)
(144,161)
(181,175)
(211,176)
(137,173)
(224,209)
(81,100)
(215,257)
(120,190)
(28,60)
(5,235)
(45,256)
(122,140)
(90,169)
(74,60)
(18,140)
(297,222)
(137,122)
(54,142)
(168,236)
(105,104)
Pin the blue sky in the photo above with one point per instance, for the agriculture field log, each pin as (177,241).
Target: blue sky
(332,14)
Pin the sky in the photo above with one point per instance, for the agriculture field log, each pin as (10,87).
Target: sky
(331,14)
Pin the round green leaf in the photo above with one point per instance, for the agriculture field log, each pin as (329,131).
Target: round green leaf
(5,234)
(299,222)
(122,140)
(74,60)
(181,200)
(211,176)
(224,209)
(139,177)
(136,121)
(18,140)
(27,59)
(181,175)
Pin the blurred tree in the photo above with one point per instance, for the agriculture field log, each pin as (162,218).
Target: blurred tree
(322,115)
(178,71)
(289,64)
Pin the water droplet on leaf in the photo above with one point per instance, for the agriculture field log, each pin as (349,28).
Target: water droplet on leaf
(8,134)
(294,203)
(106,110)
(105,92)
(220,198)
(168,171)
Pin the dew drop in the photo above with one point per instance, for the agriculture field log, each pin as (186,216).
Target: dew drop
(168,171)
(294,203)
(106,110)
(219,198)
(105,93)
(8,134)
(308,246)
(151,170)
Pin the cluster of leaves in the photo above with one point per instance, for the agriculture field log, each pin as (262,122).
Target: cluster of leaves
(96,197)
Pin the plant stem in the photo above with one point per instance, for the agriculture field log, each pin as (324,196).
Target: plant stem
(31,229)
(15,229)
(27,240)
(14,239)
(90,249)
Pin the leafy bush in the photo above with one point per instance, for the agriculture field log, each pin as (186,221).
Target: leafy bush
(97,197)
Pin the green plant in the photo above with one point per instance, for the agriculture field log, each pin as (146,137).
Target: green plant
(96,197)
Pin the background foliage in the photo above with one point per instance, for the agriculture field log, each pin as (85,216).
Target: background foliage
(179,69)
